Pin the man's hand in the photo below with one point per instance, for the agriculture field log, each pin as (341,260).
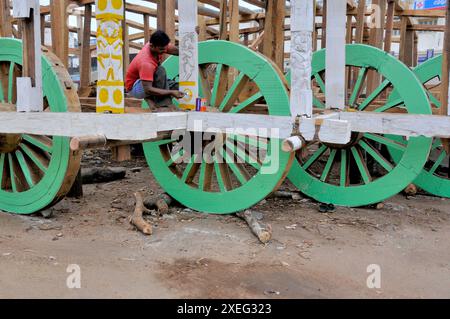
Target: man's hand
(177,94)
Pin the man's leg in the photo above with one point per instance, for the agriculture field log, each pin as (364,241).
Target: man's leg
(160,81)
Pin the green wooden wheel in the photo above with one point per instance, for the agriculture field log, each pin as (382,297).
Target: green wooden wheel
(35,171)
(434,177)
(360,173)
(242,170)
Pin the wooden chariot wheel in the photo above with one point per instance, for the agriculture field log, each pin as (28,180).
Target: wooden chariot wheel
(35,171)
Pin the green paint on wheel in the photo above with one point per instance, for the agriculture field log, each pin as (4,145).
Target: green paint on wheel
(216,184)
(32,175)
(434,177)
(360,173)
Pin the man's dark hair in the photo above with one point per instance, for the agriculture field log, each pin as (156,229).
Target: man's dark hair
(159,38)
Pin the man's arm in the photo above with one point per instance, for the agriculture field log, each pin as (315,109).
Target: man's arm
(173,50)
(150,90)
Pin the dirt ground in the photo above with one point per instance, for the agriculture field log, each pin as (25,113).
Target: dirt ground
(192,255)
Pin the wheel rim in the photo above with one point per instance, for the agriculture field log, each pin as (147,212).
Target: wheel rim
(231,187)
(434,177)
(40,170)
(355,184)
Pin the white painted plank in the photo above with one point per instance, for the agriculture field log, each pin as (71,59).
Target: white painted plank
(187,11)
(302,22)
(335,54)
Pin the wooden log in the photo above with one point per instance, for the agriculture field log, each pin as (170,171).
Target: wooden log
(94,175)
(262,232)
(136,219)
(160,202)
(80,143)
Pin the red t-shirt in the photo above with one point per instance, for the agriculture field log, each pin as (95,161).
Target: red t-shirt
(142,67)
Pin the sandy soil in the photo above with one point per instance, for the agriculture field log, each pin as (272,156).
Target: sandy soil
(191,255)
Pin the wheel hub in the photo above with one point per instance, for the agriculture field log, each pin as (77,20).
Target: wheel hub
(9,142)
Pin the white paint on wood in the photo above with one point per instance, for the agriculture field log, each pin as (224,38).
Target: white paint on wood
(146,126)
(188,45)
(398,124)
(302,22)
(292,144)
(29,97)
(335,54)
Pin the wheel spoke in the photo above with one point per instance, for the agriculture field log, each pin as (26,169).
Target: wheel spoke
(36,158)
(39,141)
(374,94)
(343,173)
(220,84)
(376,155)
(204,180)
(361,165)
(12,174)
(190,170)
(25,169)
(242,154)
(319,81)
(434,100)
(2,168)
(11,82)
(438,162)
(437,142)
(317,103)
(234,168)
(223,178)
(204,84)
(233,93)
(386,141)
(357,89)
(175,157)
(252,100)
(314,157)
(388,106)
(328,166)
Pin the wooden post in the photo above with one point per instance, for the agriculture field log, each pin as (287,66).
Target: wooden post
(406,42)
(188,52)
(60,30)
(335,54)
(110,85)
(376,39)
(445,88)
(389,25)
(29,86)
(223,20)
(166,17)
(360,19)
(5,18)
(273,42)
(323,41)
(43,29)
(302,26)
(85,61)
(146,18)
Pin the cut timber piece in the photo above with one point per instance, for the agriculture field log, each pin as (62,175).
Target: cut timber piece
(40,170)
(224,173)
(136,219)
(264,233)
(435,176)
(359,172)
